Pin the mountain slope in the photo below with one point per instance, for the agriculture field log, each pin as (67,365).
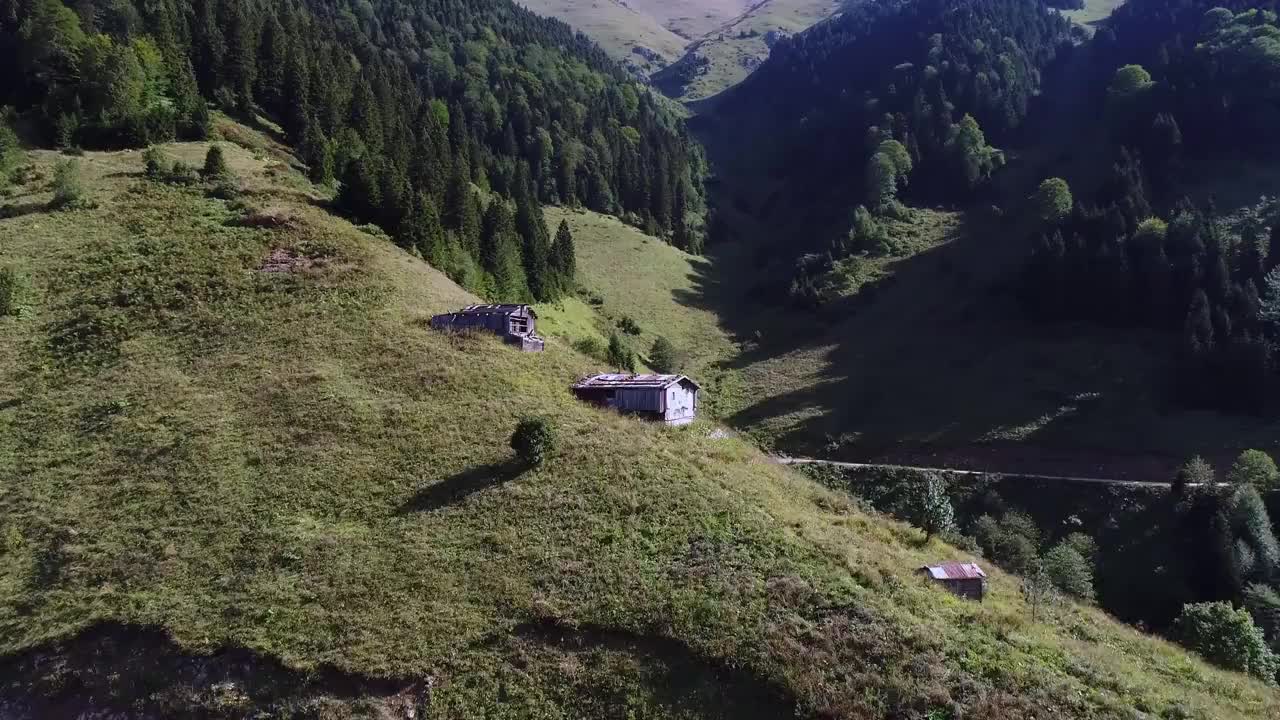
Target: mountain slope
(631,36)
(242,475)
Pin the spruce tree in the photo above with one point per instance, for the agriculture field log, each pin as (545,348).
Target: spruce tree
(532,227)
(242,53)
(318,155)
(500,254)
(564,257)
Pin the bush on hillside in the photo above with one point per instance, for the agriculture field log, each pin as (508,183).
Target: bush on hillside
(1011,542)
(1255,468)
(663,357)
(593,348)
(157,165)
(68,189)
(628,325)
(619,355)
(11,284)
(1053,199)
(931,507)
(1070,571)
(183,174)
(533,440)
(1226,636)
(1196,471)
(215,163)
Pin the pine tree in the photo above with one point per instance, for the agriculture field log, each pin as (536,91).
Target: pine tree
(532,227)
(318,155)
(361,194)
(422,230)
(500,253)
(564,261)
(242,52)
(619,355)
(210,46)
(1198,329)
(297,97)
(273,58)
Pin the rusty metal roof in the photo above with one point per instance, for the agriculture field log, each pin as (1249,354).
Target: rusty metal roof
(494,309)
(634,382)
(955,571)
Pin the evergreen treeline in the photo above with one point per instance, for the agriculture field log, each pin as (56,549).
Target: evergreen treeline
(1140,255)
(408,105)
(892,99)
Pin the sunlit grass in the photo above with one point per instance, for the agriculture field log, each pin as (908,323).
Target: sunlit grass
(295,464)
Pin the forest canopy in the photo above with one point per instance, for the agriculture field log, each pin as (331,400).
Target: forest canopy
(409,106)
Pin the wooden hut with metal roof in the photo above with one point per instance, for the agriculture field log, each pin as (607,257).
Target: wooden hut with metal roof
(965,580)
(515,324)
(670,399)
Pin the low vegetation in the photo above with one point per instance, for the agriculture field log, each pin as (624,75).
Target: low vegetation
(234,461)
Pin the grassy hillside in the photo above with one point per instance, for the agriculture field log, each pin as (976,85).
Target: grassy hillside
(628,273)
(617,27)
(736,48)
(242,475)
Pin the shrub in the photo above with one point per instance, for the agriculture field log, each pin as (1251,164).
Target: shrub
(1037,589)
(628,325)
(592,348)
(226,187)
(931,507)
(1012,542)
(68,190)
(662,356)
(1053,199)
(10,291)
(1226,636)
(1196,471)
(619,355)
(1253,467)
(1070,572)
(157,165)
(183,174)
(533,440)
(215,164)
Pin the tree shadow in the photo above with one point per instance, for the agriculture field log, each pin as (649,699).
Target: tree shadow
(17,210)
(458,487)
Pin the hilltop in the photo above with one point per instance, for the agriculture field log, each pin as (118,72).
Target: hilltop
(252,485)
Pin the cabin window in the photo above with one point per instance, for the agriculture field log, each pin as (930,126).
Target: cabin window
(519,325)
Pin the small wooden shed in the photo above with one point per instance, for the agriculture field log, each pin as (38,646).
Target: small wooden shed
(516,324)
(671,399)
(965,580)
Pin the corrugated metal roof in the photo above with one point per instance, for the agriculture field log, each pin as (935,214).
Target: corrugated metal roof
(623,380)
(955,571)
(500,309)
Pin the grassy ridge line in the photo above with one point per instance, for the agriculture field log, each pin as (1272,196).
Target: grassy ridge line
(295,465)
(614,26)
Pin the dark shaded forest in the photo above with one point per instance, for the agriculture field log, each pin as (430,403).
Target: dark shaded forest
(887,102)
(1183,85)
(407,106)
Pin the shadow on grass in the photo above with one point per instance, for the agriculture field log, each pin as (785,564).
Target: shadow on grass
(456,488)
(16,210)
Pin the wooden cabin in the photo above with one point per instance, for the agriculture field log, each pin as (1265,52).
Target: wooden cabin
(670,399)
(964,580)
(515,324)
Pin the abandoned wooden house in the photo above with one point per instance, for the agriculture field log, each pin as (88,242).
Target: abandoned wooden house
(965,580)
(671,399)
(516,324)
